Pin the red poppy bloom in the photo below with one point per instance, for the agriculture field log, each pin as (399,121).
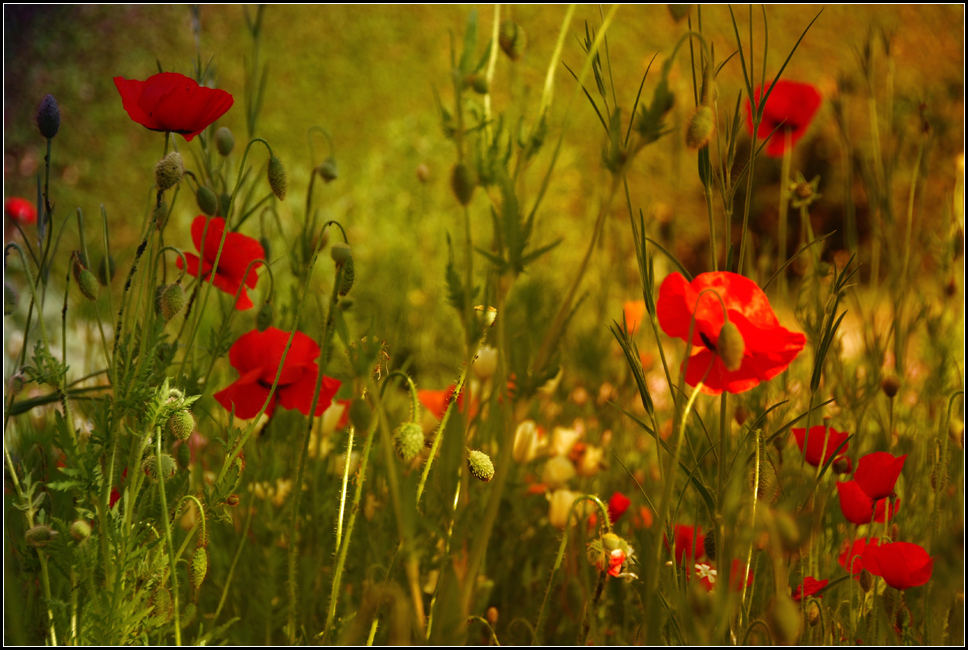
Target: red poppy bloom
(20,210)
(684,545)
(853,553)
(172,102)
(615,561)
(820,437)
(237,253)
(736,582)
(617,506)
(768,347)
(256,356)
(902,565)
(858,508)
(436,401)
(791,107)
(810,587)
(877,473)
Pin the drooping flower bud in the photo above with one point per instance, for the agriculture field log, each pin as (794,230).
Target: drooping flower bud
(169,171)
(408,440)
(207,201)
(80,530)
(701,127)
(512,39)
(480,466)
(478,82)
(161,604)
(277,178)
(866,580)
(169,300)
(198,568)
(463,183)
(679,12)
(232,500)
(40,535)
(9,299)
(106,270)
(731,346)
(16,384)
(187,615)
(86,281)
(151,467)
(183,455)
(340,252)
(223,203)
(264,318)
(181,424)
(48,116)
(813,613)
(349,276)
(890,385)
(224,141)
(709,543)
(328,170)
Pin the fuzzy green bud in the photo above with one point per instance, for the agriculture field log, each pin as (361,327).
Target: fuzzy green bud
(187,615)
(199,566)
(463,183)
(106,270)
(327,170)
(277,178)
(701,127)
(224,141)
(48,117)
(169,300)
(183,455)
(866,580)
(266,249)
(360,415)
(340,252)
(207,201)
(9,299)
(408,440)
(169,171)
(480,466)
(512,39)
(349,276)
(80,530)
(165,470)
(478,82)
(161,605)
(86,281)
(264,318)
(40,535)
(731,346)
(223,203)
(17,384)
(181,424)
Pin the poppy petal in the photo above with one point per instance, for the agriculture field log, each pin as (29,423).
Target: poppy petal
(298,395)
(247,395)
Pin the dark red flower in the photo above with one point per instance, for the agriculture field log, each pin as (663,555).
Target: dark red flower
(902,565)
(736,582)
(617,506)
(169,101)
(823,441)
(791,107)
(877,473)
(256,356)
(853,553)
(20,210)
(810,587)
(237,253)
(684,544)
(858,508)
(768,347)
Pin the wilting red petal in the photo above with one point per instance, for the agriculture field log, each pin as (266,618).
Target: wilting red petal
(684,544)
(791,107)
(902,565)
(617,506)
(854,552)
(20,210)
(858,508)
(811,586)
(877,473)
(169,101)
(822,441)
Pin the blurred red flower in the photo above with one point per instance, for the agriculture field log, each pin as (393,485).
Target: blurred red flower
(256,356)
(877,473)
(615,561)
(436,401)
(634,311)
(169,101)
(791,107)
(810,587)
(237,253)
(768,347)
(819,435)
(883,508)
(684,544)
(902,565)
(617,506)
(858,508)
(736,582)
(853,553)
(20,210)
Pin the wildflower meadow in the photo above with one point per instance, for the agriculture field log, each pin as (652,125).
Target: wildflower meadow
(484,325)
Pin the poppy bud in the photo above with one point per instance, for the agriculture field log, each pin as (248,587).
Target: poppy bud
(480,466)
(266,250)
(492,615)
(150,467)
(841,465)
(731,346)
(894,532)
(360,414)
(207,201)
(106,270)
(223,203)
(232,500)
(48,117)
(160,603)
(181,424)
(169,300)
(86,281)
(463,183)
(340,252)
(740,414)
(890,385)
(701,127)
(9,299)
(349,276)
(709,544)
(264,318)
(160,215)
(423,173)
(16,384)
(679,12)
(40,535)
(813,613)
(80,530)
(866,580)
(328,170)
(477,82)
(198,568)
(169,171)
(187,615)
(277,178)
(224,141)
(512,39)
(408,440)
(184,455)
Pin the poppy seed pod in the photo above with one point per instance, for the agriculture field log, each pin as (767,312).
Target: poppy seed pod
(181,424)
(512,39)
(169,300)
(264,319)
(106,270)
(207,201)
(86,281)
(224,141)
(169,171)
(701,127)
(480,466)
(408,440)
(463,183)
(48,117)
(277,178)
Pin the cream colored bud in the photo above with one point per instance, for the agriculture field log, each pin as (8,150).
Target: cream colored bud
(526,443)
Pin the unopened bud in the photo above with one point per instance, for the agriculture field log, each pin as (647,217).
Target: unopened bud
(40,535)
(349,276)
(266,248)
(740,414)
(183,454)
(181,424)
(890,385)
(277,178)
(813,613)
(264,318)
(9,299)
(169,171)
(866,580)
(480,466)
(842,465)
(232,500)
(512,39)
(198,568)
(161,605)
(165,470)
(894,530)
(492,615)
(463,183)
(328,170)
(701,127)
(408,440)
(224,141)
(16,384)
(423,173)
(80,530)
(477,82)
(169,300)
(340,252)
(223,203)
(731,346)
(86,281)
(709,544)
(207,201)
(106,270)
(187,615)
(48,116)
(679,12)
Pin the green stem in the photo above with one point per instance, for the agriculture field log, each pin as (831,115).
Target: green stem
(235,560)
(172,558)
(784,205)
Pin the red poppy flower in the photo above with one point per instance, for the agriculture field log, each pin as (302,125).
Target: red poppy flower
(736,582)
(684,545)
(902,565)
(172,102)
(791,107)
(20,210)
(615,561)
(768,347)
(858,508)
(877,473)
(237,253)
(855,553)
(617,506)
(436,401)
(257,356)
(819,435)
(810,587)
